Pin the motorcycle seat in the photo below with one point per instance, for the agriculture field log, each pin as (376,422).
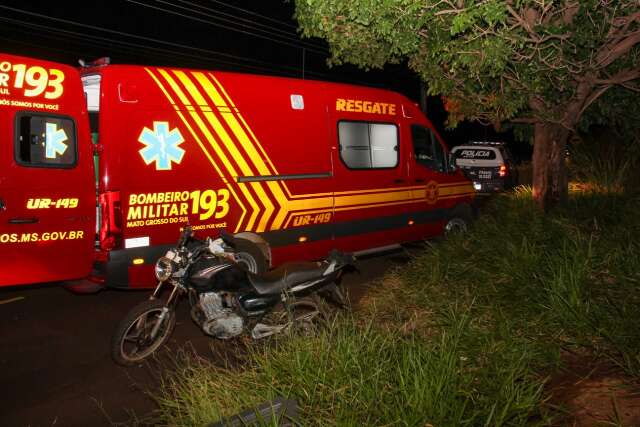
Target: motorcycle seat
(286,276)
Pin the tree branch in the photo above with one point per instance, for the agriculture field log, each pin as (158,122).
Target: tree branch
(617,48)
(526,120)
(620,77)
(595,95)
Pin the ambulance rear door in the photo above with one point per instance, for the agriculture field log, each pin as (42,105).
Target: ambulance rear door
(47,190)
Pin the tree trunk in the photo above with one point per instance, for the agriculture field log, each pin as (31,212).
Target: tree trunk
(550,185)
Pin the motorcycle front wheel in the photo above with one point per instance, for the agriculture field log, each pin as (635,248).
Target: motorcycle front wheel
(133,340)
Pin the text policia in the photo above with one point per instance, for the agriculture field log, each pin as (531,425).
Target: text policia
(173,207)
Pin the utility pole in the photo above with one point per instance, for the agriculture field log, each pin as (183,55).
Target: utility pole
(423,97)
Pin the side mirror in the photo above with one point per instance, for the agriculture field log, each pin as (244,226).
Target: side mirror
(451,164)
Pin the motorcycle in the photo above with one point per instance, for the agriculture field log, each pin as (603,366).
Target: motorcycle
(227,300)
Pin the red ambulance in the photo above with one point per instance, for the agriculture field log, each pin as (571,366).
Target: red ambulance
(100,168)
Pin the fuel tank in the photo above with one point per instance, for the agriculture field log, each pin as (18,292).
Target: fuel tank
(210,273)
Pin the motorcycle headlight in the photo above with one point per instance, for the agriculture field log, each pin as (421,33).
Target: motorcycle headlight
(164,268)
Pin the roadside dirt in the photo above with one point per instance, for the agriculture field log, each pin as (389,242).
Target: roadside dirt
(593,393)
(55,368)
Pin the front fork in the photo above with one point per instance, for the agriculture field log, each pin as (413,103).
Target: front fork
(166,309)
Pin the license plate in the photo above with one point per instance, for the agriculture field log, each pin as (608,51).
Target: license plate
(484,175)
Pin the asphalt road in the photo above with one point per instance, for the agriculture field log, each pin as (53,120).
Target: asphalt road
(55,368)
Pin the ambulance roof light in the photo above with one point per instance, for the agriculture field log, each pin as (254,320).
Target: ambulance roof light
(105,60)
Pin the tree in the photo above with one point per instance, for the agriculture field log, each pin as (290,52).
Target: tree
(541,63)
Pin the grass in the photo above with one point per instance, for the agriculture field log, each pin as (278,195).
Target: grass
(605,162)
(467,334)
(355,375)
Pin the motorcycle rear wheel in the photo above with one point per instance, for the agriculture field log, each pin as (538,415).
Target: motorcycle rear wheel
(305,316)
(131,342)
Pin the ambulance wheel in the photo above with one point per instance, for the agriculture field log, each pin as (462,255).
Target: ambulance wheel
(249,255)
(459,221)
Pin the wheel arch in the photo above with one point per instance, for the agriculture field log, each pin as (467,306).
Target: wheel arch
(464,210)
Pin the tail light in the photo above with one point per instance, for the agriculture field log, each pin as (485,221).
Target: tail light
(110,232)
(503,171)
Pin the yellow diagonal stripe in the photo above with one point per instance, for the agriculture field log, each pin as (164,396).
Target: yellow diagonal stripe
(202,146)
(212,142)
(249,149)
(231,147)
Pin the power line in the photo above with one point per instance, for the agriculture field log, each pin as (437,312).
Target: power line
(93,42)
(250,12)
(41,46)
(232,28)
(143,48)
(134,36)
(108,42)
(270,28)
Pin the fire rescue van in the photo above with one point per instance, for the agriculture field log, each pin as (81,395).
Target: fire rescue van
(101,167)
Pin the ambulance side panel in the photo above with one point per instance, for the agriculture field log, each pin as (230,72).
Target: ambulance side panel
(306,166)
(286,134)
(217,151)
(159,158)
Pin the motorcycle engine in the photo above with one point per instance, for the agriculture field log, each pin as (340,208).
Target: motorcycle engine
(216,319)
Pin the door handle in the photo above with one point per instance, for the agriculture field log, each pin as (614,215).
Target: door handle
(419,180)
(398,181)
(23,220)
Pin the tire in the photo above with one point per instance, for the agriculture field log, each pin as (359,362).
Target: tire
(304,316)
(334,295)
(126,351)
(459,221)
(249,255)
(309,316)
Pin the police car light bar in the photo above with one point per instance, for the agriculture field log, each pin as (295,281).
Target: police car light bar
(496,143)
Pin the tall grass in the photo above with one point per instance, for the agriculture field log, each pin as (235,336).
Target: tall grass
(568,279)
(357,375)
(467,334)
(605,162)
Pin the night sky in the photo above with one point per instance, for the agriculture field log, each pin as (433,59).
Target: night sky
(258,37)
(248,36)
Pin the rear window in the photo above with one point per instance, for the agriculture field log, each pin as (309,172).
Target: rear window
(474,154)
(45,141)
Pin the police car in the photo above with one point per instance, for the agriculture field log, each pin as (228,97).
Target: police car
(488,164)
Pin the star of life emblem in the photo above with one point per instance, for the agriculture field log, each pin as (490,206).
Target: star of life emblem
(161,146)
